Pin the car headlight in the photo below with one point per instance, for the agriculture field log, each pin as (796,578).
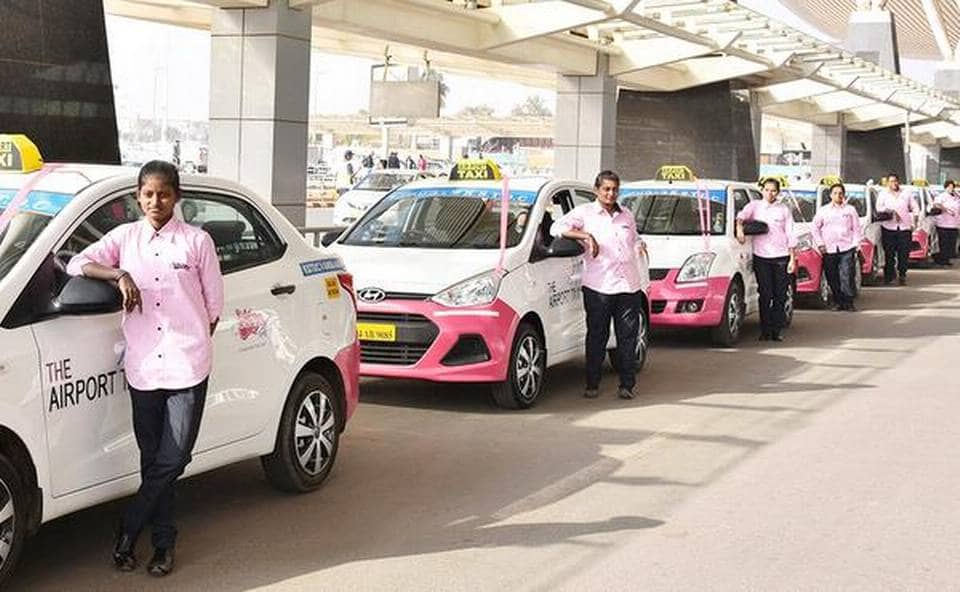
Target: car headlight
(696,268)
(805,242)
(478,290)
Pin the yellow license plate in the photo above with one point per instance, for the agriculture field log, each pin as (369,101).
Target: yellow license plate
(376,332)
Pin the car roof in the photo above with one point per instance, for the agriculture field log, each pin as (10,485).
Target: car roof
(534,184)
(67,177)
(709,183)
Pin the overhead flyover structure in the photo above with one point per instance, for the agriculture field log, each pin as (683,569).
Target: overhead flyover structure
(638,82)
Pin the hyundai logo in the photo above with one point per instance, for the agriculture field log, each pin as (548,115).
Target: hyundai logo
(372,295)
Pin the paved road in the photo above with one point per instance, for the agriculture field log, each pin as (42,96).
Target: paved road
(827,462)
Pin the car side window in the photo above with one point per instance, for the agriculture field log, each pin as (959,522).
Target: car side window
(117,211)
(242,236)
(741,198)
(581,197)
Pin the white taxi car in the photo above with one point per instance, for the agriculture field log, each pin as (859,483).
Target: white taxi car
(286,358)
(352,204)
(439,297)
(701,276)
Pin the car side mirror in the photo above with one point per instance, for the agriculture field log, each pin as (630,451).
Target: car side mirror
(331,236)
(83,296)
(565,247)
(755,227)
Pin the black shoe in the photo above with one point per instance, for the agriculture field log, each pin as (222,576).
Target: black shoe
(591,393)
(625,393)
(887,282)
(161,563)
(123,553)
(902,281)
(851,308)
(776,337)
(764,337)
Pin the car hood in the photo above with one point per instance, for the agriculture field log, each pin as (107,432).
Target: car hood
(417,271)
(363,196)
(670,252)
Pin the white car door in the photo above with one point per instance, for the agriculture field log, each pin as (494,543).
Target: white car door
(556,285)
(738,198)
(87,410)
(254,347)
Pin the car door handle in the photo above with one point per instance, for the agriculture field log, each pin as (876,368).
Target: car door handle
(278,289)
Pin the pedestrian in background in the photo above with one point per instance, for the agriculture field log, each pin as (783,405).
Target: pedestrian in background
(346,173)
(611,280)
(774,257)
(897,232)
(836,231)
(947,223)
(169,276)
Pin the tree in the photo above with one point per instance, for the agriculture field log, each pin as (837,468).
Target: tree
(532,106)
(477,112)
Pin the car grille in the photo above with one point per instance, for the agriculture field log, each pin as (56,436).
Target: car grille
(406,296)
(658,306)
(658,273)
(415,335)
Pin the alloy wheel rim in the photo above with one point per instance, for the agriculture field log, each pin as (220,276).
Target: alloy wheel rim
(529,369)
(788,305)
(315,432)
(733,313)
(824,290)
(8,521)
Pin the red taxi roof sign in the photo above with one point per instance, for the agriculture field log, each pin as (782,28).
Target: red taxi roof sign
(18,154)
(475,169)
(673,172)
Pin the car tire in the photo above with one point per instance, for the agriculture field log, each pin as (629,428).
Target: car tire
(876,273)
(824,294)
(857,276)
(13,518)
(526,370)
(643,344)
(727,333)
(308,437)
(791,302)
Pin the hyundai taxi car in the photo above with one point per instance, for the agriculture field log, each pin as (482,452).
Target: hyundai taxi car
(352,204)
(445,295)
(809,277)
(701,276)
(286,358)
(925,242)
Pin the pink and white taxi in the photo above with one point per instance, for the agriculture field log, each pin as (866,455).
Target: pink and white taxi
(925,242)
(442,298)
(809,277)
(701,276)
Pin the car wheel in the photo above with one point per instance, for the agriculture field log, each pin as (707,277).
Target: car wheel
(824,294)
(528,364)
(727,333)
(876,274)
(13,518)
(308,437)
(643,342)
(857,276)
(789,305)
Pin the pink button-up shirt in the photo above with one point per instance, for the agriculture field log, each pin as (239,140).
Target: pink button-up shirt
(902,203)
(616,268)
(950,203)
(836,227)
(168,344)
(779,238)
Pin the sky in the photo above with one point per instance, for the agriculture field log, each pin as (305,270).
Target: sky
(160,67)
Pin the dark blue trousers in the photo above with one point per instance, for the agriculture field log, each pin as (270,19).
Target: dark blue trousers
(841,275)
(166,423)
(624,310)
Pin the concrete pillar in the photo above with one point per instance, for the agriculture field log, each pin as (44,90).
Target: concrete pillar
(925,162)
(947,79)
(259,89)
(872,35)
(828,150)
(585,128)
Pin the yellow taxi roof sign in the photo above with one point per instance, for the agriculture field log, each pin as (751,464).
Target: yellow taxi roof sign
(674,172)
(18,154)
(829,180)
(782,179)
(475,169)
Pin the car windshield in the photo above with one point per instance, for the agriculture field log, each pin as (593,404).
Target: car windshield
(22,222)
(379,181)
(670,211)
(443,218)
(856,198)
(803,204)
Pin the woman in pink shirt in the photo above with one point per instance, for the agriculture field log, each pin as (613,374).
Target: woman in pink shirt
(836,230)
(947,223)
(774,257)
(169,276)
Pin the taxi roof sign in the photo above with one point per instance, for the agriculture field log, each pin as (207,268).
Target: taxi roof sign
(475,169)
(18,154)
(829,180)
(920,183)
(673,172)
